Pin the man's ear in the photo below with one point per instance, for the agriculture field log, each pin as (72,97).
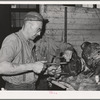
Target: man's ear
(26,25)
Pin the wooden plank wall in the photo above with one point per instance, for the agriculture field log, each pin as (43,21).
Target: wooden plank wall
(83,24)
(55,15)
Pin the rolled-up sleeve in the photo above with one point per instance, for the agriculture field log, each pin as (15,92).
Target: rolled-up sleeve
(8,49)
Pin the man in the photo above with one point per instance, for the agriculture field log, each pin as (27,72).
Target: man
(17,64)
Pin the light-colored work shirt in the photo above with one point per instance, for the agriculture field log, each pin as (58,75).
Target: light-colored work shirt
(16,49)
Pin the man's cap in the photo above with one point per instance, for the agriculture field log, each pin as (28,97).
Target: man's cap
(33,16)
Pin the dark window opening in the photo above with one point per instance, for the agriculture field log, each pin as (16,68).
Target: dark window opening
(17,14)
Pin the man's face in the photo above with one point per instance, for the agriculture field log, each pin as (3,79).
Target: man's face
(35,28)
(67,55)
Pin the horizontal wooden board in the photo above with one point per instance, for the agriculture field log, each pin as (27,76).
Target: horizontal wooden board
(78,43)
(56,20)
(55,37)
(83,15)
(83,37)
(72,14)
(55,26)
(58,38)
(55,8)
(73,32)
(54,14)
(91,21)
(73,26)
(83,32)
(83,26)
(58,7)
(75,20)
(83,10)
(54,32)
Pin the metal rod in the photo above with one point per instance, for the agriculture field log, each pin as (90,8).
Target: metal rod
(62,63)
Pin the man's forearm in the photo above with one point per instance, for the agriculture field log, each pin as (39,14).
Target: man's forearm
(8,68)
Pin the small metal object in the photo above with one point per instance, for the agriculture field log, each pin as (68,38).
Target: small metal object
(58,84)
(91,75)
(63,73)
(62,63)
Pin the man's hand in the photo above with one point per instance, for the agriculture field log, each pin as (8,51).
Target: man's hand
(52,70)
(38,66)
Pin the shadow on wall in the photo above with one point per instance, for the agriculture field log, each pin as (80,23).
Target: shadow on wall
(42,83)
(5,24)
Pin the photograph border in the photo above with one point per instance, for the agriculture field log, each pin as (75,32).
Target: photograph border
(50,95)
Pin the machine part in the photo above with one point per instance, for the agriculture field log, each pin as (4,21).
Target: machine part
(63,85)
(97,78)
(58,84)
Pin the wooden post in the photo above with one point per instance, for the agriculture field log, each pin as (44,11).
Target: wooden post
(65,33)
